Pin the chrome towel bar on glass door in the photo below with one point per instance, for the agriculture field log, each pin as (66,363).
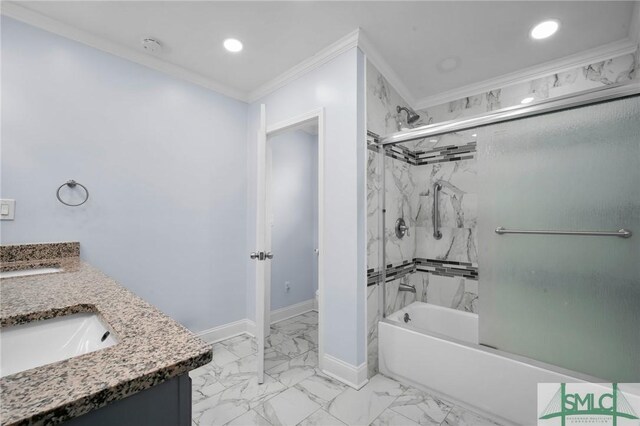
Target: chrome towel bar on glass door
(622,233)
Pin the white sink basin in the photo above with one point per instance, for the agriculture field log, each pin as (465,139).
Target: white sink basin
(31,345)
(27,272)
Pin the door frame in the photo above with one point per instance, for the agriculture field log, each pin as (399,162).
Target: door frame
(281,126)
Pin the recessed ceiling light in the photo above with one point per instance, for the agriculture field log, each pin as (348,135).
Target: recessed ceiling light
(433,140)
(544,29)
(233,45)
(449,64)
(474,135)
(527,100)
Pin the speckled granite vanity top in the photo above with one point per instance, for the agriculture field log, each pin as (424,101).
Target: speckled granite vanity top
(152,347)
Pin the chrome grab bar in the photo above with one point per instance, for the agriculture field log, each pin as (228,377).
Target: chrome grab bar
(622,233)
(436,214)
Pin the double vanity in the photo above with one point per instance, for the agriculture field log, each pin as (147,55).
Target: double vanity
(76,347)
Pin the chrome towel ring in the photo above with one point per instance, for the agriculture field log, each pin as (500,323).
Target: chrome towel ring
(72,184)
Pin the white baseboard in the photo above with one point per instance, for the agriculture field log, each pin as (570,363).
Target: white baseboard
(292,311)
(248,326)
(251,328)
(225,331)
(353,376)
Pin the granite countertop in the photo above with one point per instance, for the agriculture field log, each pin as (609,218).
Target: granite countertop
(152,347)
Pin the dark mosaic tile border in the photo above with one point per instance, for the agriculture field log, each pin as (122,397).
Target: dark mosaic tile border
(446,153)
(393,272)
(442,154)
(447,268)
(443,268)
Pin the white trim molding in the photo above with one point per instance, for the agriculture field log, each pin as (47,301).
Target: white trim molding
(355,377)
(247,326)
(292,122)
(322,57)
(598,54)
(384,68)
(292,311)
(226,331)
(36,19)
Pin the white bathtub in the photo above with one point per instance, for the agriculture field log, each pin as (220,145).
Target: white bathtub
(438,350)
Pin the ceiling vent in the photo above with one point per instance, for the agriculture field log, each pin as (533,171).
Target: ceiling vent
(151,45)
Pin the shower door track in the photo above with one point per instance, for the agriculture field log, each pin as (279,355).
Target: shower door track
(578,99)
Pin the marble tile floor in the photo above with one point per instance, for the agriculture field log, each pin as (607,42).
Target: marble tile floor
(296,392)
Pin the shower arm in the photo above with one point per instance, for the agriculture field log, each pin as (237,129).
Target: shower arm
(436,214)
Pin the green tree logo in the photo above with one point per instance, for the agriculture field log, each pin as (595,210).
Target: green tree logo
(564,405)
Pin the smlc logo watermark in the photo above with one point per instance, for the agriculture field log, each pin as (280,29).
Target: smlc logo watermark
(588,404)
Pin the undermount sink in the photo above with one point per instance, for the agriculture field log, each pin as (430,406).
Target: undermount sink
(31,345)
(28,272)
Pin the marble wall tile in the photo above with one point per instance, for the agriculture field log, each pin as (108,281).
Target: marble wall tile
(400,202)
(458,211)
(395,299)
(373,316)
(374,186)
(382,100)
(615,70)
(420,280)
(450,292)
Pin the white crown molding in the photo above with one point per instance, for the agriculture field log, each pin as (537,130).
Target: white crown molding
(322,57)
(607,51)
(28,16)
(385,69)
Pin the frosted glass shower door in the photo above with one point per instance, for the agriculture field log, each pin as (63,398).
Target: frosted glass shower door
(571,301)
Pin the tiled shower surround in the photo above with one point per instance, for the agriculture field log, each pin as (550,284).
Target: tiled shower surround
(444,271)
(615,70)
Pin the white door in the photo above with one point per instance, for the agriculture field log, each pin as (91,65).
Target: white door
(262,255)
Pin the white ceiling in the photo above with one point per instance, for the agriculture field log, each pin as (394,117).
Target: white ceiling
(490,38)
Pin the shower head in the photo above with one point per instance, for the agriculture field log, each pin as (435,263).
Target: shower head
(412,117)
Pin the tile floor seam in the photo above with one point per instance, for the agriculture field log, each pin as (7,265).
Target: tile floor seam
(448,412)
(319,408)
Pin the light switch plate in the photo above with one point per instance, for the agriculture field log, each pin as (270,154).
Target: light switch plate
(7,209)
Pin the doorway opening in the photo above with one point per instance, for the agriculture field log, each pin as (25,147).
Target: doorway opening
(291,297)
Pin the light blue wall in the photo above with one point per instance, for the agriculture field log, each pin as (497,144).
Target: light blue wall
(165,162)
(335,86)
(295,222)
